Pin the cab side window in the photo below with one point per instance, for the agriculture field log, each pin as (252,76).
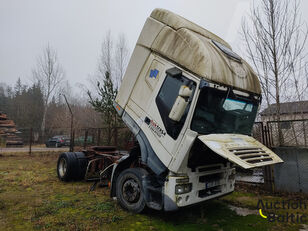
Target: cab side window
(165,99)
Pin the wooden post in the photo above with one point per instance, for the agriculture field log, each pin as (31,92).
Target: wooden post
(72,122)
(262,133)
(30,142)
(72,143)
(270,136)
(265,136)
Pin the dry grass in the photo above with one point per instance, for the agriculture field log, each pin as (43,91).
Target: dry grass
(32,198)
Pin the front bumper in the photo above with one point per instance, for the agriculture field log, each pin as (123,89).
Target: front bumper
(208,182)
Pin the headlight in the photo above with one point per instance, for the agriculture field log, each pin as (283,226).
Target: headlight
(183,188)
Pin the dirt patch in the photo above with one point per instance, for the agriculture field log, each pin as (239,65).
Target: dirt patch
(243,211)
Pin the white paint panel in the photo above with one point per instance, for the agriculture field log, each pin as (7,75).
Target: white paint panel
(241,149)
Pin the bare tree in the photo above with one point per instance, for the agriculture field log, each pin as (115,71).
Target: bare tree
(105,60)
(275,38)
(112,59)
(111,67)
(121,59)
(49,73)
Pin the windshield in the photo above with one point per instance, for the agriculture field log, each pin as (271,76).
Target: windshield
(220,111)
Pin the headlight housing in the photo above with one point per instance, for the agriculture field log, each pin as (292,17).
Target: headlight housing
(183,188)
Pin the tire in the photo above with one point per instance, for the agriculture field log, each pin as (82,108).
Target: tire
(129,190)
(72,166)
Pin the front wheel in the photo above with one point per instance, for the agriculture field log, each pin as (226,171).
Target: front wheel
(129,190)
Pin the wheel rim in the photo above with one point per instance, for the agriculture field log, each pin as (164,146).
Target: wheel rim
(62,167)
(131,191)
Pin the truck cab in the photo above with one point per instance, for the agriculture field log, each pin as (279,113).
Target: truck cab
(191,102)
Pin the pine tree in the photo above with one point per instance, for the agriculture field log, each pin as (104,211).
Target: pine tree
(104,103)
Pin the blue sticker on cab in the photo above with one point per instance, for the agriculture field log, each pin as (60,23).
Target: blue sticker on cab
(154,73)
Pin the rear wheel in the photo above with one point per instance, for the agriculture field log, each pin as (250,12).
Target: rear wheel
(62,168)
(129,190)
(71,166)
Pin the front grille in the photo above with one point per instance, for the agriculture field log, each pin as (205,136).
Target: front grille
(251,155)
(210,178)
(209,192)
(210,168)
(213,181)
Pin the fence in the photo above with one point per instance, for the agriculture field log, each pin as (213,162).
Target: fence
(287,133)
(292,133)
(79,138)
(292,175)
(262,133)
(288,139)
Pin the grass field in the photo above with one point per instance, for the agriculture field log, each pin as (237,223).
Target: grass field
(32,198)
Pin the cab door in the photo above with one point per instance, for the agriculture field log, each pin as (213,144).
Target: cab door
(169,133)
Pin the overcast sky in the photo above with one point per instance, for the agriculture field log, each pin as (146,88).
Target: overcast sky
(75,29)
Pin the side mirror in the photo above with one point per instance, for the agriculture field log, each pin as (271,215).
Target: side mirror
(180,103)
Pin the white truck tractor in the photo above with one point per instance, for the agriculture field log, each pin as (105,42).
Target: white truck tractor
(191,103)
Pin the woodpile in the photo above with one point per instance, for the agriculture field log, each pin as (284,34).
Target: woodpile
(8,132)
